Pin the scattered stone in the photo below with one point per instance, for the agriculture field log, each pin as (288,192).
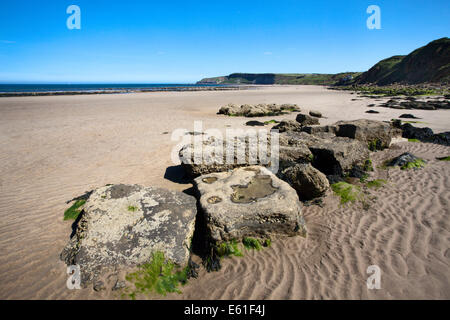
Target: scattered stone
(309,182)
(407,161)
(306,120)
(288,125)
(316,114)
(123,225)
(408,116)
(255,203)
(255,124)
(99,286)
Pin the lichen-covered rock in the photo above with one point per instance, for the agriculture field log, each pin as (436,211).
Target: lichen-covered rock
(123,225)
(306,120)
(331,129)
(374,133)
(249,202)
(309,182)
(213,161)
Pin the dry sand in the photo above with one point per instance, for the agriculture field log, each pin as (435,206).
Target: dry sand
(55,148)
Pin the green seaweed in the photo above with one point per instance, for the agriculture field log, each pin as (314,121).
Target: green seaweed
(270,122)
(416,164)
(376,183)
(74,211)
(231,248)
(251,243)
(347,192)
(413,140)
(159,275)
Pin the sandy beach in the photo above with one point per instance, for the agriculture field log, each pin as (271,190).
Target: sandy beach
(55,148)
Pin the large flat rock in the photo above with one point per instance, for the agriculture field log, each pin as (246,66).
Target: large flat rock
(249,202)
(123,225)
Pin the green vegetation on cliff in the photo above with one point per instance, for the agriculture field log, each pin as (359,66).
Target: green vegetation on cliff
(428,64)
(279,78)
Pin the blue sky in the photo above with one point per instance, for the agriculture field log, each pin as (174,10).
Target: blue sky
(183,41)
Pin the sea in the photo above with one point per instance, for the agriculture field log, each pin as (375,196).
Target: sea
(29,88)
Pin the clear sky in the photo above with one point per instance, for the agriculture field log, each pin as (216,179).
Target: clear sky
(183,41)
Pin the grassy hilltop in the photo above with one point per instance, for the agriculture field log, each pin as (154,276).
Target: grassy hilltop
(428,64)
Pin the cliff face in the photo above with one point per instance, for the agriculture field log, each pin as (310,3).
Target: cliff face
(279,78)
(430,63)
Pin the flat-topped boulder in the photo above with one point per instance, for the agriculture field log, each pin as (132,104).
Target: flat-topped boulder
(249,202)
(258,110)
(245,153)
(288,125)
(376,134)
(123,225)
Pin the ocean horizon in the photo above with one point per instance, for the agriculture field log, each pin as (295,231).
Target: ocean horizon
(125,87)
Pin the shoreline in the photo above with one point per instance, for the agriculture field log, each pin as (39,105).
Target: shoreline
(122,91)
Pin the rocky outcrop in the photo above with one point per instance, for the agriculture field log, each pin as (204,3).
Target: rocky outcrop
(258,110)
(309,182)
(249,202)
(123,225)
(425,134)
(306,120)
(376,134)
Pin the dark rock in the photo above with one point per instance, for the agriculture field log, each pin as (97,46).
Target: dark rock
(371,111)
(306,120)
(411,132)
(255,124)
(287,125)
(402,159)
(408,116)
(316,114)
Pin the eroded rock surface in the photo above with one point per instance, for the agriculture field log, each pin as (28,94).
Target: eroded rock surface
(249,202)
(309,182)
(122,225)
(376,133)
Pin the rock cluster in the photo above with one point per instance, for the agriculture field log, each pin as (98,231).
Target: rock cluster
(413,103)
(258,110)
